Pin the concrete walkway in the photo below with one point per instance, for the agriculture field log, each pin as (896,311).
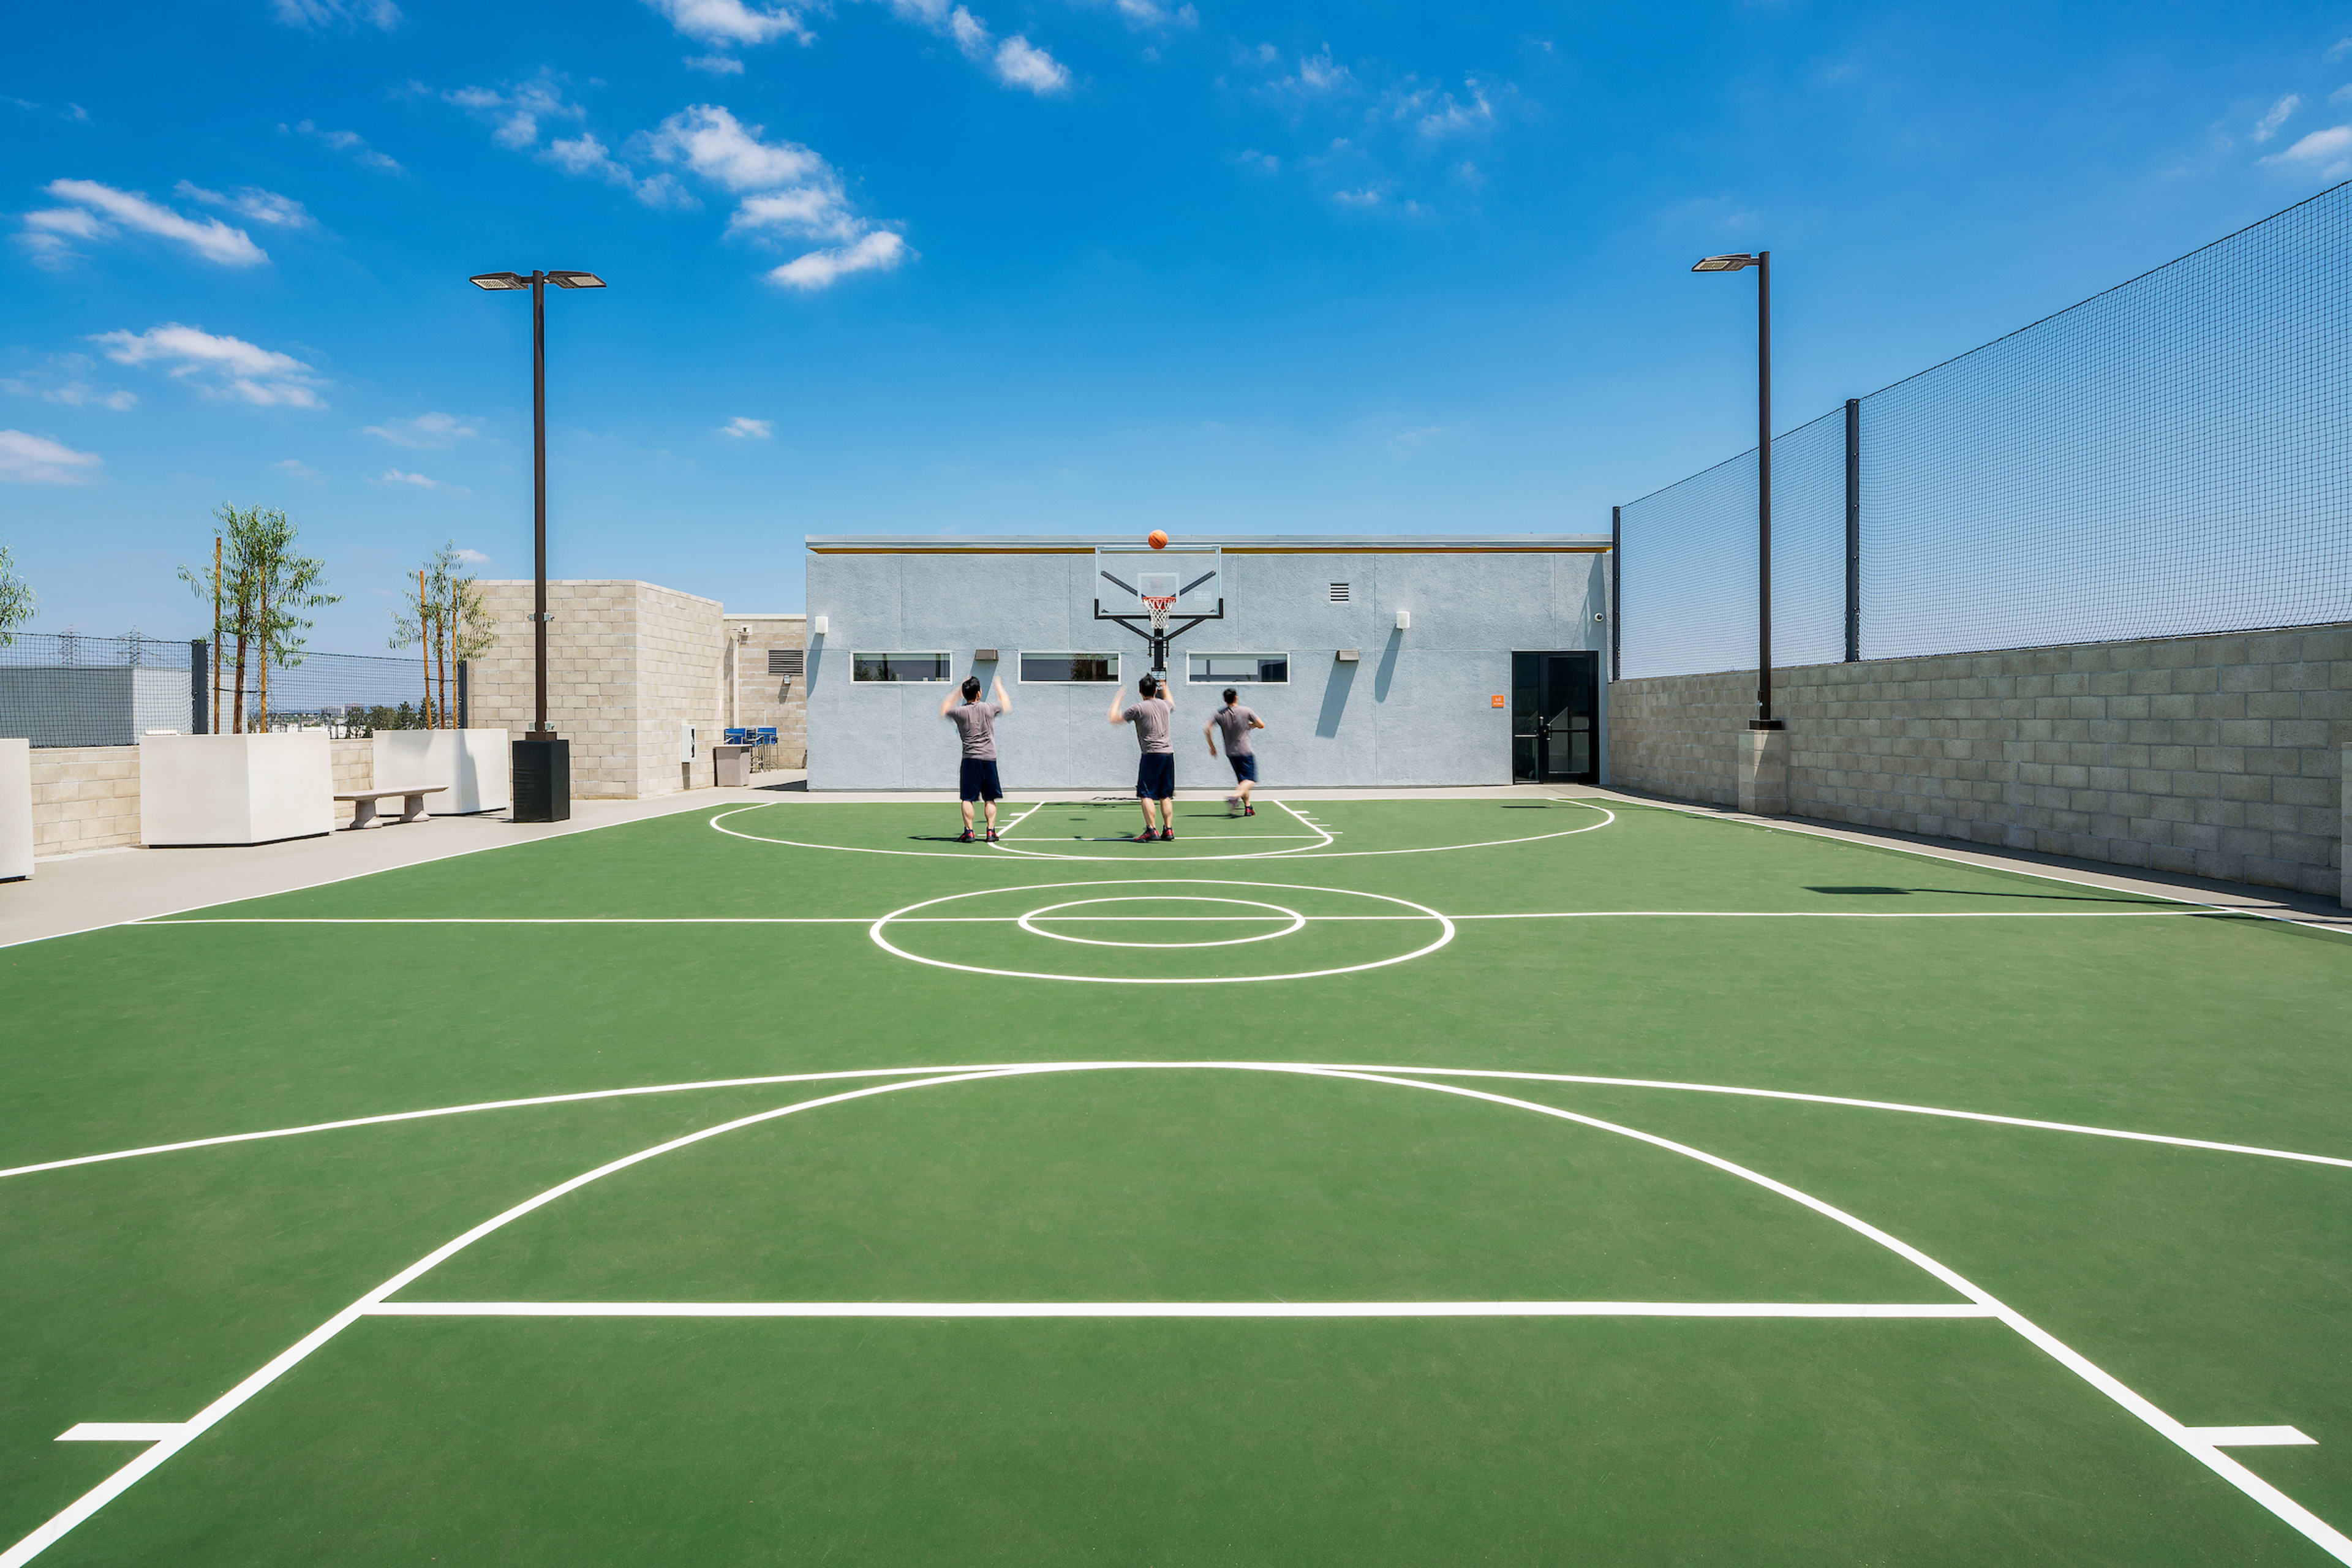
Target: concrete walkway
(82,892)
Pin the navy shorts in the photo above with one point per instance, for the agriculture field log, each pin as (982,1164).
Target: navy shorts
(979,778)
(1155,775)
(1244,766)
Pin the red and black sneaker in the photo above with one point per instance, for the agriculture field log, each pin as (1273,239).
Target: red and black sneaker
(1249,811)
(1167,836)
(966,836)
(992,836)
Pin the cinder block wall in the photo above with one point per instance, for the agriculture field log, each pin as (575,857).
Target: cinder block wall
(84,797)
(87,797)
(628,664)
(2212,756)
(763,700)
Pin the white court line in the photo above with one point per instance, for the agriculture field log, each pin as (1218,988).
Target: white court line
(2250,1436)
(1015,920)
(2269,1496)
(1446,933)
(120,1432)
(1191,1309)
(718,821)
(2166,1139)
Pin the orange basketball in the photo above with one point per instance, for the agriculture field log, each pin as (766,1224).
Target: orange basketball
(1158,539)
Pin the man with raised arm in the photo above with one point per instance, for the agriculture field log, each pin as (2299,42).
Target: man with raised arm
(976,721)
(1153,714)
(1237,721)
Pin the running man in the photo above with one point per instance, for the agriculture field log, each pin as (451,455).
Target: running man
(1237,721)
(976,721)
(1153,714)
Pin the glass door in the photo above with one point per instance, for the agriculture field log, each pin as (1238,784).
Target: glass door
(1555,704)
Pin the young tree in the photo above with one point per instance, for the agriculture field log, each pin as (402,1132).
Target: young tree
(15,599)
(261,586)
(422,622)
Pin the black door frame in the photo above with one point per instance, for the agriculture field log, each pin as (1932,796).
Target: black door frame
(1547,701)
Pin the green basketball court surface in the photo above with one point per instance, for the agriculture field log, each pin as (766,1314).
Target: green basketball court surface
(1528,1181)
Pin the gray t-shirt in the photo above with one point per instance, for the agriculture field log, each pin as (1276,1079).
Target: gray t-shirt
(977,722)
(1234,723)
(1152,716)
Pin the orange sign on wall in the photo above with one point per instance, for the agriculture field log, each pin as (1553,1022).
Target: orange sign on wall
(1493,702)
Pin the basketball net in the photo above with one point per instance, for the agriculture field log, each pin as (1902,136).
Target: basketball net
(1158,604)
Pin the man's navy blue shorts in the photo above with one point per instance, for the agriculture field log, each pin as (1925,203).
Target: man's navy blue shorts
(1155,775)
(1244,766)
(979,778)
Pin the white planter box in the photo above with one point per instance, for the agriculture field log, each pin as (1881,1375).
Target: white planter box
(234,789)
(470,765)
(15,809)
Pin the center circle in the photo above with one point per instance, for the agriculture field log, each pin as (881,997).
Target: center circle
(899,933)
(1297,920)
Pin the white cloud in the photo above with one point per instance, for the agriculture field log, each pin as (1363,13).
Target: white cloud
(1260,162)
(2322,150)
(1020,63)
(380,13)
(1367,197)
(515,115)
(717,65)
(1143,14)
(30,459)
(253,202)
(2267,127)
(878,252)
(350,142)
(394,477)
(219,366)
(208,237)
(473,557)
(1451,116)
(817,211)
(63,383)
(426,432)
(724,22)
(295,468)
(1317,74)
(2342,94)
(711,142)
(744,428)
(584,155)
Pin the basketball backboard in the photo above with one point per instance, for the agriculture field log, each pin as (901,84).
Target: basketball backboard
(1123,574)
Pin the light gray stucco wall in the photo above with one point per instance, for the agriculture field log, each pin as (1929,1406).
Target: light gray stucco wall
(1414,711)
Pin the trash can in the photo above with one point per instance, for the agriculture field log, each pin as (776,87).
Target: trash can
(732,766)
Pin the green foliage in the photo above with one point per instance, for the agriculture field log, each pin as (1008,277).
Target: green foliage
(15,599)
(263,586)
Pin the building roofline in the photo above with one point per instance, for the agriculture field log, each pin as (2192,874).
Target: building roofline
(1230,543)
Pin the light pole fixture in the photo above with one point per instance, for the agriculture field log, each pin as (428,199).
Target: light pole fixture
(1762,262)
(542,763)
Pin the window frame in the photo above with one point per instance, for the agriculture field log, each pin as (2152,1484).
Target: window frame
(946,665)
(1193,680)
(1021,657)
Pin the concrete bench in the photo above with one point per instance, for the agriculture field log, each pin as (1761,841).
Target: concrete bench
(412,803)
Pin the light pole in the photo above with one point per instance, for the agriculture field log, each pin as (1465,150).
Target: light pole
(542,763)
(1762,262)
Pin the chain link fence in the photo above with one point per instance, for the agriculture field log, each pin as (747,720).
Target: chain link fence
(2166,459)
(69,689)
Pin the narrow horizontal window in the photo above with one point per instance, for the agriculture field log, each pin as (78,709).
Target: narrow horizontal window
(1238,669)
(1084,668)
(899,667)
(792,661)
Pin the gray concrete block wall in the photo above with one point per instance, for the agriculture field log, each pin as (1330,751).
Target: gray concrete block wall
(761,700)
(87,797)
(2211,756)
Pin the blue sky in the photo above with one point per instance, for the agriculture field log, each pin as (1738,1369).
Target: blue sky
(1043,265)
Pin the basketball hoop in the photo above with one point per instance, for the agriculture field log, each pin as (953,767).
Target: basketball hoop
(1158,604)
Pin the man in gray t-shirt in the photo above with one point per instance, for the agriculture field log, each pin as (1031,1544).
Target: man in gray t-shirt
(1235,722)
(975,721)
(1154,717)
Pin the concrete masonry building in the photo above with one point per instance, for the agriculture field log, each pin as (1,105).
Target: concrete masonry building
(1374,659)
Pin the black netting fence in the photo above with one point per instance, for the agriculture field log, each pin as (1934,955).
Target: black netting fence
(67,689)
(2166,459)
